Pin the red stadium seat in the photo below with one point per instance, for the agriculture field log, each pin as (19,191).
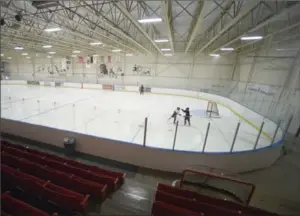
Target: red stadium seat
(61,196)
(17,207)
(193,205)
(212,201)
(163,209)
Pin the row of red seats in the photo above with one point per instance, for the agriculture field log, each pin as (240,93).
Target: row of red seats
(13,206)
(119,175)
(73,182)
(63,197)
(182,200)
(111,182)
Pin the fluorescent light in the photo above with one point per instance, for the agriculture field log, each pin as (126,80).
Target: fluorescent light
(96,55)
(168,54)
(28,57)
(165,49)
(129,54)
(227,49)
(47,46)
(74,56)
(116,50)
(252,38)
(2,54)
(19,48)
(49,56)
(76,51)
(289,49)
(24,54)
(95,43)
(150,20)
(52,29)
(161,40)
(214,55)
(52,53)
(9,58)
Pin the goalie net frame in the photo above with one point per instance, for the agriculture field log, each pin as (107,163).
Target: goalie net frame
(212,108)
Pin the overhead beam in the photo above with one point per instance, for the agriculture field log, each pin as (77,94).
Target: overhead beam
(121,7)
(228,26)
(264,23)
(111,25)
(195,26)
(167,12)
(58,19)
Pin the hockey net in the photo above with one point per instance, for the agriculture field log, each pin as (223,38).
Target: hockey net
(212,109)
(217,185)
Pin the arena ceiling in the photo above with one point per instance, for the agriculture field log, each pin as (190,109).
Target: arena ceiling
(190,26)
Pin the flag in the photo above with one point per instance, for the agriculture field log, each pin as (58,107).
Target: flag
(80,60)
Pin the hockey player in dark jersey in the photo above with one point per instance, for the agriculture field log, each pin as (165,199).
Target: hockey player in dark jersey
(174,115)
(187,116)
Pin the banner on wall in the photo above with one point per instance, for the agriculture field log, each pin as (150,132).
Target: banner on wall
(57,84)
(46,83)
(262,89)
(107,87)
(101,59)
(108,59)
(30,82)
(119,87)
(147,89)
(95,59)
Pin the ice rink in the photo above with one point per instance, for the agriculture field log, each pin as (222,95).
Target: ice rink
(121,115)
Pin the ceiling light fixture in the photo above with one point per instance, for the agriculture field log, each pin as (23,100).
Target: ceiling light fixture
(116,50)
(47,46)
(2,54)
(165,49)
(161,40)
(9,57)
(24,54)
(252,38)
(52,29)
(28,57)
(73,56)
(51,53)
(19,48)
(95,43)
(168,54)
(150,20)
(49,56)
(76,51)
(288,49)
(227,49)
(129,54)
(214,55)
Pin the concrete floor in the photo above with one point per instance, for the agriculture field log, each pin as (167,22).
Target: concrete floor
(277,187)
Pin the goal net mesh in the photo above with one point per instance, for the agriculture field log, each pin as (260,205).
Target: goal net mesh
(212,109)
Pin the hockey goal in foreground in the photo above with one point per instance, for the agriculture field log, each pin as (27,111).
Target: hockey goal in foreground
(216,185)
(212,109)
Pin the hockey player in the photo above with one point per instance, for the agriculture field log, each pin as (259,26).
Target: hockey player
(187,116)
(142,89)
(174,115)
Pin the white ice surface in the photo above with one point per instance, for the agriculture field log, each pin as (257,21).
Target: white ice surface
(121,116)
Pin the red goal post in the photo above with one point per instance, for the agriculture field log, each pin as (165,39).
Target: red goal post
(237,188)
(212,109)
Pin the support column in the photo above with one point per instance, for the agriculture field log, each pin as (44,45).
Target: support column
(251,70)
(234,69)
